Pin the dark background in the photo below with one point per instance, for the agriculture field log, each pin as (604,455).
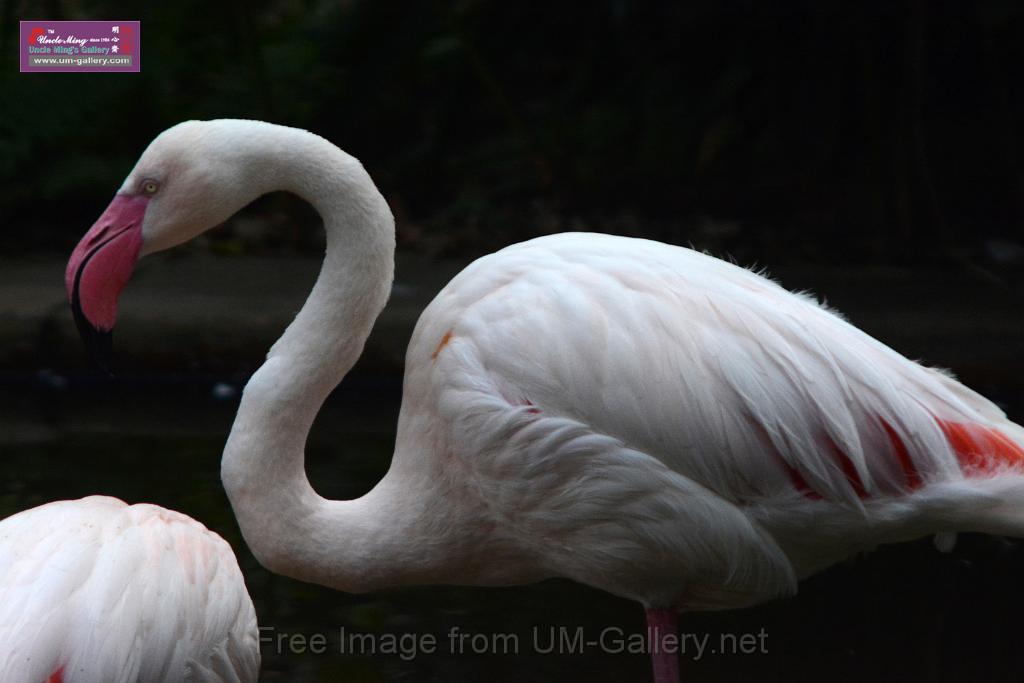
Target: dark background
(881,132)
(868,151)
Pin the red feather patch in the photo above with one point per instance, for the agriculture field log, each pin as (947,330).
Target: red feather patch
(981,449)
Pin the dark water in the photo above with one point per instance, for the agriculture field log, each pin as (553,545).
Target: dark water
(901,613)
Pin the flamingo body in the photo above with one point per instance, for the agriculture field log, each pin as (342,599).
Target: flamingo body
(98,590)
(682,431)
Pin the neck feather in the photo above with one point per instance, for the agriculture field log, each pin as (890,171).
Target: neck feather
(288,526)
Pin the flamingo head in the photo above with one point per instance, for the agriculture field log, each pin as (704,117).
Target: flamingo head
(192,177)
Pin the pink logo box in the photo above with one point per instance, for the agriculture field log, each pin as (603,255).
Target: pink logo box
(80,46)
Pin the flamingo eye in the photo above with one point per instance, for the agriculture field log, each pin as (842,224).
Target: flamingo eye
(150,186)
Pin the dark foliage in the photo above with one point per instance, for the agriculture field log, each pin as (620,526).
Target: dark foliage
(846,131)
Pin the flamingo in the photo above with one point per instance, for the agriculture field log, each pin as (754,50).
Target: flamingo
(99,590)
(638,417)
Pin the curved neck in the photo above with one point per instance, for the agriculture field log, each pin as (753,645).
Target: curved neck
(288,526)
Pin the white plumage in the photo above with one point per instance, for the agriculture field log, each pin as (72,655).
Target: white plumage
(97,590)
(636,416)
(690,432)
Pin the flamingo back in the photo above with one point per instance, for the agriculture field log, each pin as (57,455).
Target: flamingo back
(97,590)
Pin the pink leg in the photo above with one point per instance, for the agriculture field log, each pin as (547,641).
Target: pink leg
(662,623)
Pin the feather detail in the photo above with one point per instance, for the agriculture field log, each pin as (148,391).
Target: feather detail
(97,590)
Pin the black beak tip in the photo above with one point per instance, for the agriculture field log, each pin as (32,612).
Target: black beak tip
(98,343)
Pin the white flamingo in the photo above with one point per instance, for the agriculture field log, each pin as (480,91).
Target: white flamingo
(97,590)
(638,417)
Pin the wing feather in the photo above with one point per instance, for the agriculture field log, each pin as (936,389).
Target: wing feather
(719,373)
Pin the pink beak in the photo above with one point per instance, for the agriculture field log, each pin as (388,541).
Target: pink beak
(100,267)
